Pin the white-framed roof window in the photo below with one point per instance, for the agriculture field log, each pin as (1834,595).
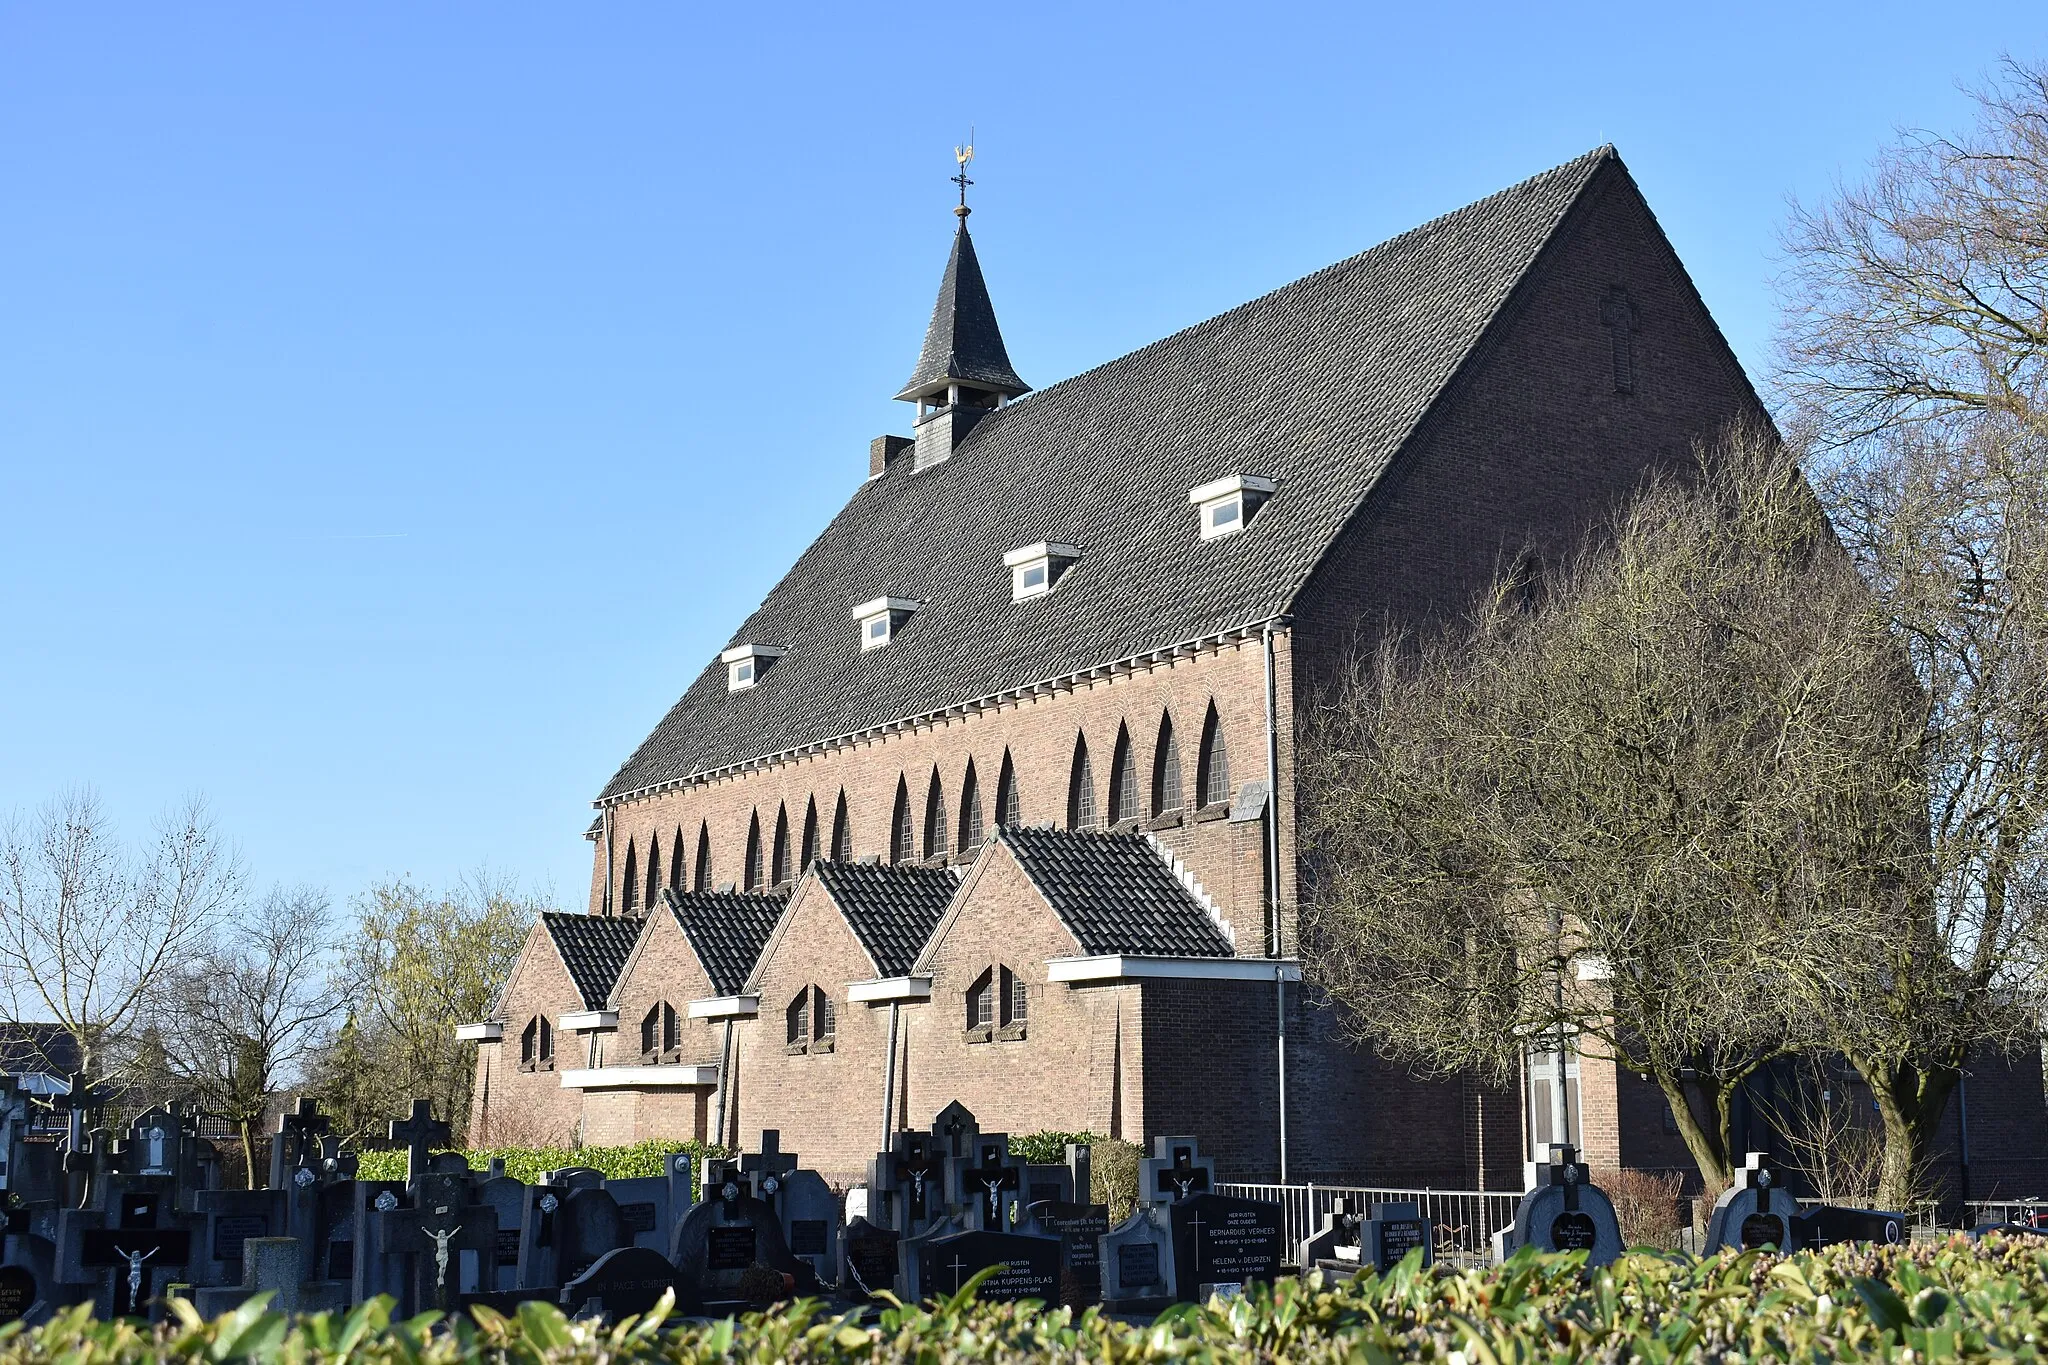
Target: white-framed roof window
(744,664)
(1035,569)
(1228,504)
(879,619)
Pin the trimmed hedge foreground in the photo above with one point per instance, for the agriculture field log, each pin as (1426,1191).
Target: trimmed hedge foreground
(1952,1300)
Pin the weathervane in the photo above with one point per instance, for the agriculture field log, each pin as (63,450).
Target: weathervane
(965,156)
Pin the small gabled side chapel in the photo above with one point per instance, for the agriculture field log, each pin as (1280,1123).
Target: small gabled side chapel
(991,799)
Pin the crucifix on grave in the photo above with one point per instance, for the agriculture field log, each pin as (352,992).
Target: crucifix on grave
(990,1185)
(432,1235)
(421,1132)
(1175,1170)
(909,1176)
(136,1248)
(768,1166)
(956,1128)
(296,1145)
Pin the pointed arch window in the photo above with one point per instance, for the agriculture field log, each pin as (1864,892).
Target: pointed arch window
(629,892)
(935,845)
(810,1022)
(1123,782)
(1081,789)
(842,833)
(1212,770)
(1166,789)
(778,863)
(997,1005)
(902,845)
(653,869)
(1009,808)
(752,872)
(703,879)
(660,1032)
(809,851)
(970,811)
(675,859)
(537,1045)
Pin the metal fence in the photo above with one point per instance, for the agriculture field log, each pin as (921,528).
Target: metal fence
(1465,1219)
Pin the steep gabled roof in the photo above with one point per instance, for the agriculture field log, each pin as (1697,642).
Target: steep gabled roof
(727,931)
(1316,385)
(891,908)
(963,341)
(594,948)
(1117,893)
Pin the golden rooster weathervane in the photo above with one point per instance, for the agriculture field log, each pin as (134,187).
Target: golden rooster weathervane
(965,156)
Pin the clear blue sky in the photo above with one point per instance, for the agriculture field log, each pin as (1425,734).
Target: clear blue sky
(400,403)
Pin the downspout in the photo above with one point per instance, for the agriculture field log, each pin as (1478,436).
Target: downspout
(889,1081)
(1274,944)
(1963,1131)
(605,902)
(724,1081)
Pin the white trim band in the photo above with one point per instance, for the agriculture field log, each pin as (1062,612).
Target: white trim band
(1044,549)
(1228,484)
(893,605)
(589,1021)
(480,1033)
(884,989)
(739,652)
(726,1007)
(1125,967)
(639,1077)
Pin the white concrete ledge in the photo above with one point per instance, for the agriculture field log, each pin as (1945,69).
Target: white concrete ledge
(480,1033)
(726,1007)
(884,989)
(1126,967)
(639,1077)
(589,1021)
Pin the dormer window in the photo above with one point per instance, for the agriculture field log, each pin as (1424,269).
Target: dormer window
(880,618)
(1228,504)
(1035,569)
(744,664)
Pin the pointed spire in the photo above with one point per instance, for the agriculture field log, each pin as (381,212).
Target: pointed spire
(963,343)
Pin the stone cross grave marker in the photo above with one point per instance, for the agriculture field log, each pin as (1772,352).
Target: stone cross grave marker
(1175,1170)
(1563,1211)
(1755,1212)
(295,1146)
(432,1237)
(730,1252)
(421,1132)
(910,1178)
(990,1179)
(143,1244)
(955,1128)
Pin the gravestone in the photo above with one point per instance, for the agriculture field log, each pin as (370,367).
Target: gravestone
(575,1178)
(506,1199)
(1026,1267)
(1222,1243)
(1828,1226)
(1755,1213)
(421,1132)
(1563,1211)
(589,1225)
(730,1253)
(626,1281)
(954,1129)
(20,1293)
(541,1208)
(1175,1170)
(1137,1262)
(446,1242)
(1047,1184)
(989,1182)
(1334,1245)
(1080,1173)
(810,1222)
(296,1145)
(1394,1230)
(910,1182)
(1080,1229)
(135,1259)
(868,1263)
(643,1211)
(232,1217)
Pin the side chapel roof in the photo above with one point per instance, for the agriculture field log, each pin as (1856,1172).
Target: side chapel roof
(594,948)
(1117,893)
(727,930)
(892,908)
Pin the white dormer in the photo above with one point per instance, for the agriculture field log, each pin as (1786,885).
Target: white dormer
(1034,569)
(744,664)
(1228,503)
(878,619)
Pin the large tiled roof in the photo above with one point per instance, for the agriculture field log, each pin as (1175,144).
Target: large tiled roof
(1117,893)
(1316,385)
(727,930)
(594,948)
(892,908)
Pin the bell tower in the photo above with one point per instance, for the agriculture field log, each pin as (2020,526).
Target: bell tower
(964,371)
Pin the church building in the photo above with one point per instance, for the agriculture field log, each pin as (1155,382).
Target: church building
(992,798)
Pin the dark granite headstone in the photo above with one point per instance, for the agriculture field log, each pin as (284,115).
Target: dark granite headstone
(626,1281)
(1027,1267)
(1080,1228)
(589,1226)
(868,1260)
(1827,1226)
(1220,1240)
(1563,1211)
(1392,1232)
(19,1292)
(1755,1213)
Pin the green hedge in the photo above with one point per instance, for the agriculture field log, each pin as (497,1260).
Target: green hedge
(528,1164)
(1954,1301)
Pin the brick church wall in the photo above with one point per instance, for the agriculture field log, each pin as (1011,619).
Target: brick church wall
(618,1118)
(513,1105)
(664,969)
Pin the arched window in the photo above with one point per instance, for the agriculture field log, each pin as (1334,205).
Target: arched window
(998,999)
(675,860)
(778,864)
(809,852)
(981,1001)
(752,867)
(629,893)
(703,881)
(1212,769)
(660,1031)
(797,1018)
(1016,1002)
(1166,769)
(810,1021)
(537,1044)
(970,811)
(1123,783)
(902,846)
(1009,808)
(842,832)
(1081,789)
(653,869)
(935,818)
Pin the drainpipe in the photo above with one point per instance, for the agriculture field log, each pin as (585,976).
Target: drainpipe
(1963,1130)
(1274,944)
(889,1081)
(724,1079)
(605,902)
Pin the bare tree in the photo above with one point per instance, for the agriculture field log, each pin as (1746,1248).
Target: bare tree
(88,932)
(1641,808)
(1916,353)
(242,1024)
